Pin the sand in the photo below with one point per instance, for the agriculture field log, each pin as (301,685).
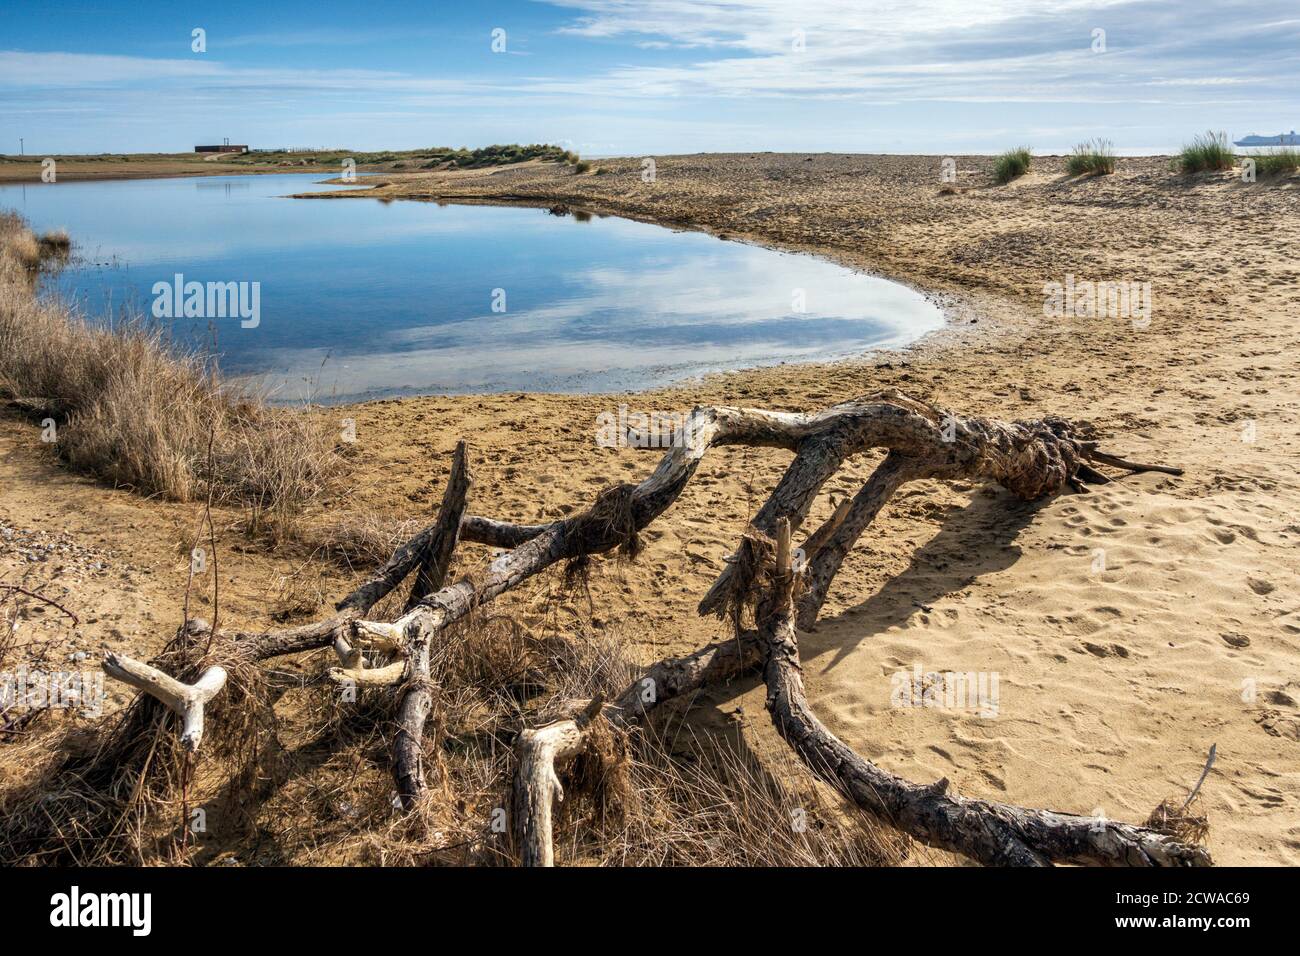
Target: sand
(1129,628)
(28,169)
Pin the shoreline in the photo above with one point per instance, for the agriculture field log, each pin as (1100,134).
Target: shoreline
(83,176)
(29,173)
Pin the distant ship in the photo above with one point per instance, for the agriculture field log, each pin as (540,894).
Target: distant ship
(1281,139)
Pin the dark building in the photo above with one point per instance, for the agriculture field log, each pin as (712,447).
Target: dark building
(226,148)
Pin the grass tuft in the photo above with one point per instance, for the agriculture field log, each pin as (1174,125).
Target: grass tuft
(1285,160)
(1207,152)
(130,409)
(1095,157)
(1012,163)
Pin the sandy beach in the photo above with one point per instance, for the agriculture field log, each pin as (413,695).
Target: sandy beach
(1130,628)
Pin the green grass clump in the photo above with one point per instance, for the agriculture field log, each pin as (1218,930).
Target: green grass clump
(1096,157)
(1286,160)
(491,155)
(1012,163)
(433,157)
(1208,151)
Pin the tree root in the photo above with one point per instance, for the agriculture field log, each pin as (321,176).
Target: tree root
(766,578)
(990,833)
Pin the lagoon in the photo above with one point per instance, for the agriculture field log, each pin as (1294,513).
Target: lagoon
(360,298)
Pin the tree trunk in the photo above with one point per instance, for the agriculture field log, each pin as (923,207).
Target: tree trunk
(417,699)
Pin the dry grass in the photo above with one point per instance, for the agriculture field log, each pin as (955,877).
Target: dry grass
(717,804)
(360,541)
(55,244)
(27,650)
(293,771)
(124,793)
(131,410)
(20,246)
(1180,820)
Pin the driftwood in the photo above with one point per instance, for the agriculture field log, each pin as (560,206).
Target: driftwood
(185,700)
(540,752)
(417,699)
(537,786)
(1032,459)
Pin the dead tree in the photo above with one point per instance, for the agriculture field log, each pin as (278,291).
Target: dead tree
(1033,459)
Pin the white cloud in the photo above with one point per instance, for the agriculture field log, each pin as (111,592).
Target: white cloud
(953,50)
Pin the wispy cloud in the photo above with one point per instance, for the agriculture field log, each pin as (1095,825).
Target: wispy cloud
(660,75)
(20,69)
(953,50)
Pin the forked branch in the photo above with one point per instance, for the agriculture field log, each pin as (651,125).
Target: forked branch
(185,700)
(417,698)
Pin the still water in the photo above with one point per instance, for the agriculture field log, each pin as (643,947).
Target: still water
(358,298)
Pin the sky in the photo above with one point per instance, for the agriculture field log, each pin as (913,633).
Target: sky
(646,77)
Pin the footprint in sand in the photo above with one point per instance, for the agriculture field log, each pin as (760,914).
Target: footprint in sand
(1113,650)
(1278,724)
(994,780)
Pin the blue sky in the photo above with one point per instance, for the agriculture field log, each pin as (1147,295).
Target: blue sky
(641,77)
